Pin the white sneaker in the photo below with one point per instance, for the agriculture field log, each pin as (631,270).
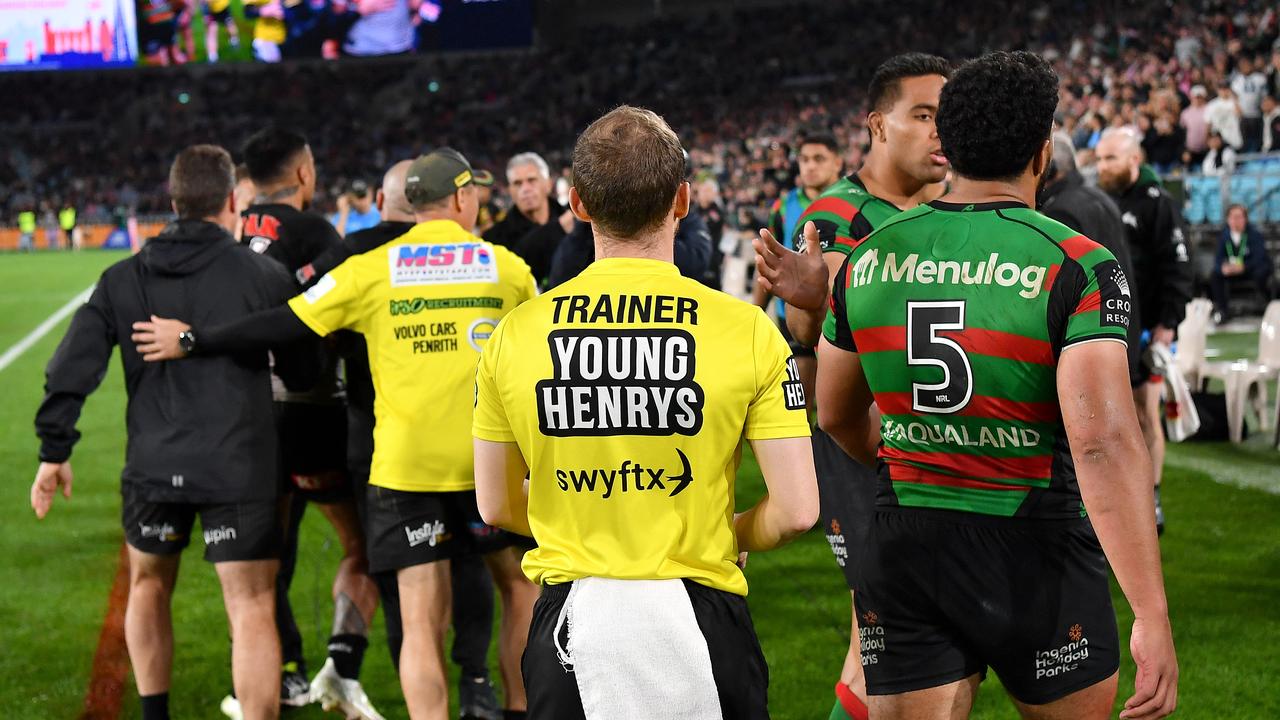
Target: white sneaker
(335,692)
(231,708)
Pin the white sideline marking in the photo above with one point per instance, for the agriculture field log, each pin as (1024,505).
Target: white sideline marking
(1247,479)
(43,328)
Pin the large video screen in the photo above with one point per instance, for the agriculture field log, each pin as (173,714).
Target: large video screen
(67,34)
(181,31)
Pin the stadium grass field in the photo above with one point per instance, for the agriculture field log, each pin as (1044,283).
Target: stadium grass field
(1221,554)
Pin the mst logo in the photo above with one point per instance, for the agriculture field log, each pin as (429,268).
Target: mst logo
(442,263)
(628,477)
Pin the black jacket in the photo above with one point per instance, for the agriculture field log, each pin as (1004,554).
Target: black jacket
(200,430)
(1161,259)
(1091,212)
(535,244)
(691,253)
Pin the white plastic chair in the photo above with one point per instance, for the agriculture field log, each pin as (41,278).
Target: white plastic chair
(1193,332)
(1246,380)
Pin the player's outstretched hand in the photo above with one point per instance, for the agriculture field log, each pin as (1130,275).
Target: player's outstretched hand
(158,340)
(1155,688)
(799,278)
(50,477)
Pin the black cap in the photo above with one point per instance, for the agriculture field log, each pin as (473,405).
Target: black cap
(359,188)
(483,178)
(437,175)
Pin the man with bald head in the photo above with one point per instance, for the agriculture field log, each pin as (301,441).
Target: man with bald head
(1162,269)
(426,302)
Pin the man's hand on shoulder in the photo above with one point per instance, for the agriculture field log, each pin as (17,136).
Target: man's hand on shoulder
(159,339)
(50,477)
(799,278)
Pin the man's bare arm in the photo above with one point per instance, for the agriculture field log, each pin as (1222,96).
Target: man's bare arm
(846,407)
(500,491)
(790,504)
(1115,477)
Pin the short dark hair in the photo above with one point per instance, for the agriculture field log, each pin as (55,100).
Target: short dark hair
(886,82)
(1240,207)
(200,181)
(627,167)
(819,137)
(996,113)
(269,153)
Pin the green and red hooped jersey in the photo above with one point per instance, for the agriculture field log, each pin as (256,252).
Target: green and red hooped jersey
(844,214)
(959,315)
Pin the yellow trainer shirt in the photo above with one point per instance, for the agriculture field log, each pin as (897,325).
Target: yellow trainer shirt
(629,390)
(426,303)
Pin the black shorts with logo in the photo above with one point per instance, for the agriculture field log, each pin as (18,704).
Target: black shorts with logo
(232,531)
(404,529)
(737,662)
(313,450)
(944,595)
(847,502)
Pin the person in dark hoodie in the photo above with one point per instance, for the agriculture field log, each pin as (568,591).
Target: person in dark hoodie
(1090,212)
(200,434)
(1162,268)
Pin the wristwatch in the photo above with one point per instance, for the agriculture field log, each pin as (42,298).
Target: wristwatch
(187,341)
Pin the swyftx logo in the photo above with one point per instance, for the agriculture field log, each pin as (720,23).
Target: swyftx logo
(628,477)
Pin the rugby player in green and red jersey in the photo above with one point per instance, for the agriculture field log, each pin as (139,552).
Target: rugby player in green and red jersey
(903,168)
(818,158)
(992,339)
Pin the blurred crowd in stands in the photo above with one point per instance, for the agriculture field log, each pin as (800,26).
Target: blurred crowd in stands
(1197,79)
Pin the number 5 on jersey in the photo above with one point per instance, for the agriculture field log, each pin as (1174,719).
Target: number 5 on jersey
(925,348)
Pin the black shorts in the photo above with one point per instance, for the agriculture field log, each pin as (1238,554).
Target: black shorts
(234,531)
(219,16)
(313,450)
(943,595)
(737,663)
(154,37)
(1139,372)
(847,501)
(404,529)
(798,349)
